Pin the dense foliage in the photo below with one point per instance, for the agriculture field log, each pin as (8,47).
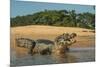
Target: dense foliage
(56,18)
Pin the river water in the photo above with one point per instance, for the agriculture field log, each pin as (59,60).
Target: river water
(73,56)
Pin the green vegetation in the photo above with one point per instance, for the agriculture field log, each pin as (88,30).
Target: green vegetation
(56,18)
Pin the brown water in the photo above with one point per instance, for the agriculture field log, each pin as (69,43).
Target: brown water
(73,56)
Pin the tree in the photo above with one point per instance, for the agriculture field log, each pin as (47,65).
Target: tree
(56,18)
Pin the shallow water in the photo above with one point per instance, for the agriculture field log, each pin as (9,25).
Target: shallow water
(73,56)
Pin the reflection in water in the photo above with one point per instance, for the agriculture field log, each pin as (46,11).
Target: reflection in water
(64,58)
(69,57)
